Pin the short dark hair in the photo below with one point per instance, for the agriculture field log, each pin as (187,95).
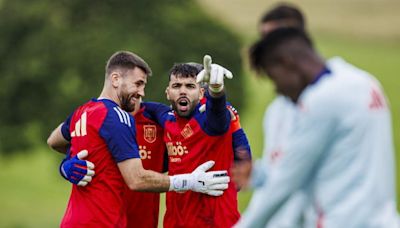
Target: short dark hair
(185,70)
(265,51)
(284,11)
(127,61)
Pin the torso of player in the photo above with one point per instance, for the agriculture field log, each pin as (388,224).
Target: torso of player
(98,202)
(189,146)
(149,137)
(278,122)
(359,161)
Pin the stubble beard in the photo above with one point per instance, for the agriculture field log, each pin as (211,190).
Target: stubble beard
(186,114)
(126,103)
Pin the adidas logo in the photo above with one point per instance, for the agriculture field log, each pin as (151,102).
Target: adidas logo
(80,126)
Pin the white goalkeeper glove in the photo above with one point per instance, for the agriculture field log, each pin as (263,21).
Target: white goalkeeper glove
(212,183)
(214,75)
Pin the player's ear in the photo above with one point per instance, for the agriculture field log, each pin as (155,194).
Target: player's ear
(202,91)
(167,92)
(115,79)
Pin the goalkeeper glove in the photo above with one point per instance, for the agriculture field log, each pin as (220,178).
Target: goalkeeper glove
(212,183)
(76,170)
(214,75)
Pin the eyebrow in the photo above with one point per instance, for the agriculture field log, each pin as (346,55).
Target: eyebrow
(141,81)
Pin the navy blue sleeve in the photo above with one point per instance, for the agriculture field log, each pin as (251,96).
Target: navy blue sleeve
(217,115)
(65,128)
(241,146)
(119,132)
(157,111)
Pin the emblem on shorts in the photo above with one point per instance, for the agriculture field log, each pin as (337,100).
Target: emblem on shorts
(150,133)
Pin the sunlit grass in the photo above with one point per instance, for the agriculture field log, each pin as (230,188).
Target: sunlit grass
(32,194)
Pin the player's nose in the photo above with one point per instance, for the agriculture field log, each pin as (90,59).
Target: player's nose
(141,92)
(182,91)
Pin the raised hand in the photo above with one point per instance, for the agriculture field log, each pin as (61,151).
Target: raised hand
(214,75)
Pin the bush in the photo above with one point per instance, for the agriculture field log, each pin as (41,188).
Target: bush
(54,53)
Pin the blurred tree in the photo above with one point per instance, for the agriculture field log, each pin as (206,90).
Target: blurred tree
(54,52)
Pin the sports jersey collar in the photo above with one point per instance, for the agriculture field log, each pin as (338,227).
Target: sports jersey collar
(325,72)
(104,100)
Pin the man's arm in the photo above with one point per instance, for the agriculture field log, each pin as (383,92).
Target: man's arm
(217,116)
(157,111)
(139,179)
(120,138)
(242,165)
(57,141)
(75,169)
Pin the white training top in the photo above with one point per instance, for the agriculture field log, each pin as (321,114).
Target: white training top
(341,149)
(277,123)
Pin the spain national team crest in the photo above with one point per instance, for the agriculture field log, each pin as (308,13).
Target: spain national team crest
(150,133)
(187,131)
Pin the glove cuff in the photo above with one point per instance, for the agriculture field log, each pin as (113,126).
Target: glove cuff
(62,171)
(216,89)
(179,183)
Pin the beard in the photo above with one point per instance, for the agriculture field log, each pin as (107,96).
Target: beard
(184,113)
(126,102)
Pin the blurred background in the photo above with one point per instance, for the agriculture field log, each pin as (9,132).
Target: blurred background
(53,55)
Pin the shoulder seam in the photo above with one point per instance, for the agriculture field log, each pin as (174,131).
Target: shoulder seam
(123,116)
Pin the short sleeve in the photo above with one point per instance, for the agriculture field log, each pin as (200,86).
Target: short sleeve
(65,128)
(118,130)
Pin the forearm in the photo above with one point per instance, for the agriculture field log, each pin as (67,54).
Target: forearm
(150,181)
(218,117)
(216,94)
(139,179)
(212,183)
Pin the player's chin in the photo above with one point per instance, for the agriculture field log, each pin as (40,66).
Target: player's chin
(183,110)
(129,107)
(183,113)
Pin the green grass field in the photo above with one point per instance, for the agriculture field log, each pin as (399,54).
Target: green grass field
(33,195)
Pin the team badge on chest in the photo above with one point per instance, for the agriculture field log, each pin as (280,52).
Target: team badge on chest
(187,131)
(150,133)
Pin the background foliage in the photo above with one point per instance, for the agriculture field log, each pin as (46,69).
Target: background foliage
(54,54)
(46,39)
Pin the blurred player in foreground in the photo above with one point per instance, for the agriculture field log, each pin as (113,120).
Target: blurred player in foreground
(103,129)
(340,145)
(277,123)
